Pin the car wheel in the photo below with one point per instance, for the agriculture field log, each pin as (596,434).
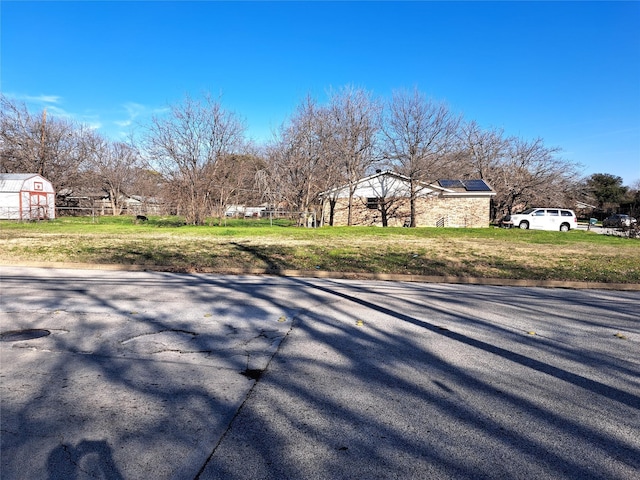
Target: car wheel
(564,227)
(524,225)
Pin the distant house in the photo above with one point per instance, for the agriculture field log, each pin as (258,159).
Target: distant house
(244,211)
(383,199)
(101,203)
(26,196)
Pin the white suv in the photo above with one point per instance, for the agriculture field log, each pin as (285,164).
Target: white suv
(544,219)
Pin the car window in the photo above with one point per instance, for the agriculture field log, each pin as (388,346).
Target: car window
(553,213)
(527,211)
(566,213)
(539,213)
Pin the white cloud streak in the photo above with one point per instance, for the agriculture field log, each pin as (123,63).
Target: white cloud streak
(37,99)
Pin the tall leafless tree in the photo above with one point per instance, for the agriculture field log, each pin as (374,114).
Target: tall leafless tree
(40,144)
(480,153)
(299,161)
(419,134)
(522,172)
(235,181)
(354,117)
(113,167)
(186,146)
(532,173)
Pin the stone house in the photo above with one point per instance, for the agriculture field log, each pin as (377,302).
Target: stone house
(382,199)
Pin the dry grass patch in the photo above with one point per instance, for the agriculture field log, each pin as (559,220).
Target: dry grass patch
(489,253)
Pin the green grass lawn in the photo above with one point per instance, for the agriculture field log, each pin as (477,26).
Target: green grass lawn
(244,245)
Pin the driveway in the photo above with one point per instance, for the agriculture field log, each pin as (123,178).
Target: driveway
(619,232)
(155,375)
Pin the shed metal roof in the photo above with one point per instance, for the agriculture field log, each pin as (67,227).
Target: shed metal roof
(13,182)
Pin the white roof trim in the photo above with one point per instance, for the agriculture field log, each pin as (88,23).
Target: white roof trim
(390,173)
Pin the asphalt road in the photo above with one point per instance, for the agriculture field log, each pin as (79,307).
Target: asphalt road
(138,375)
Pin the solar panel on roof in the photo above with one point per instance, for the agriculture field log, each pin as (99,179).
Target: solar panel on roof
(451,183)
(476,186)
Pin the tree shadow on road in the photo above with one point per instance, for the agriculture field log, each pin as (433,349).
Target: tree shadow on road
(427,386)
(378,402)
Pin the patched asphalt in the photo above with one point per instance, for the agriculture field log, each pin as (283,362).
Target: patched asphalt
(160,375)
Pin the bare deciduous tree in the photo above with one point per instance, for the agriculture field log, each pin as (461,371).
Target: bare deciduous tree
(521,172)
(532,173)
(113,167)
(235,180)
(480,152)
(354,117)
(419,134)
(196,155)
(40,144)
(299,162)
(186,146)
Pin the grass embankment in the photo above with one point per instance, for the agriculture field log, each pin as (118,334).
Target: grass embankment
(247,245)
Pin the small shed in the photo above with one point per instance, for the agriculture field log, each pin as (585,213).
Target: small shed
(26,196)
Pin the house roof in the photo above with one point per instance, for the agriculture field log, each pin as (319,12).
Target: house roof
(584,205)
(445,187)
(385,173)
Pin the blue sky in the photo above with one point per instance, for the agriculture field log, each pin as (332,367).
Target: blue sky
(566,72)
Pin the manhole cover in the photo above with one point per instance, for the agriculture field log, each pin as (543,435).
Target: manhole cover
(20,335)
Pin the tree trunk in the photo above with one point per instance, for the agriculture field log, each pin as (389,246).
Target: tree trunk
(350,205)
(412,203)
(332,210)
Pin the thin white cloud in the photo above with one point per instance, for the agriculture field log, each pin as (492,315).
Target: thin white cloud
(161,110)
(45,99)
(91,121)
(134,110)
(95,125)
(37,99)
(137,112)
(59,112)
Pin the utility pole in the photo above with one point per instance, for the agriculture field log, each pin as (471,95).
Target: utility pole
(43,138)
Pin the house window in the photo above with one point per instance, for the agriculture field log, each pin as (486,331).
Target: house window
(37,186)
(373,202)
